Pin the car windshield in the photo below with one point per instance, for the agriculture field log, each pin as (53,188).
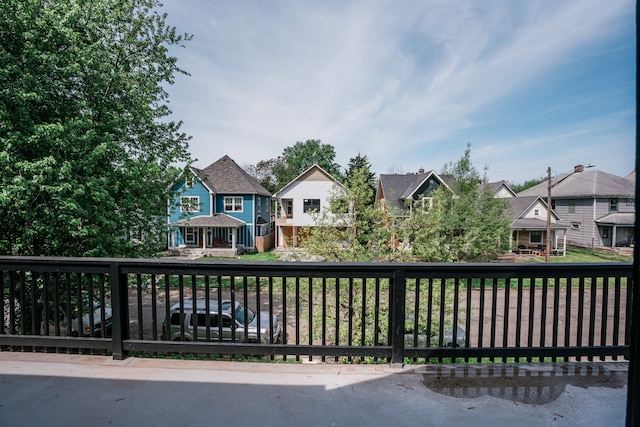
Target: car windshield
(240,310)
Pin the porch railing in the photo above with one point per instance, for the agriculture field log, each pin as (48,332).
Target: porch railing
(384,312)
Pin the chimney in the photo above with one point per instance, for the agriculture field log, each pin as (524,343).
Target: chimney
(421,171)
(578,168)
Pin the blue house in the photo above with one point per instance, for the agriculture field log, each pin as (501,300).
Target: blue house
(219,211)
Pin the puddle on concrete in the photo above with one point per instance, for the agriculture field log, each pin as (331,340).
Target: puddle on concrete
(528,383)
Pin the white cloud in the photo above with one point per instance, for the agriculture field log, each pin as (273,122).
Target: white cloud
(397,82)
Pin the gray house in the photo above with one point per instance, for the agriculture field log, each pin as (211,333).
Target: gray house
(598,207)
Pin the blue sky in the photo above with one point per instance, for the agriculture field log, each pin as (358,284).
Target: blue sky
(529,84)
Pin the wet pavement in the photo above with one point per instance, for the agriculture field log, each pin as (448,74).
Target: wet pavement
(64,390)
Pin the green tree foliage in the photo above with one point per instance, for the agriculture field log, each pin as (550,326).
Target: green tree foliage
(345,233)
(360,182)
(464,224)
(527,184)
(299,157)
(84,148)
(264,173)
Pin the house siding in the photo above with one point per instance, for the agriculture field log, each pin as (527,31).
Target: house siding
(301,190)
(542,212)
(197,190)
(583,217)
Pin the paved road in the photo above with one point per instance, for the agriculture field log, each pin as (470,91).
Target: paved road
(69,390)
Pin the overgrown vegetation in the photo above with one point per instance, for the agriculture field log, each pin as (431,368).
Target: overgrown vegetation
(456,224)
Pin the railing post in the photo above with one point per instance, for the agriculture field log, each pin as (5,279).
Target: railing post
(119,310)
(397,317)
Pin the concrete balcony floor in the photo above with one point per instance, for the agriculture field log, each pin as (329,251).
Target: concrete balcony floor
(90,390)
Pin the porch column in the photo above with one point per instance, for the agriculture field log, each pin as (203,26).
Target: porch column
(564,244)
(234,233)
(614,236)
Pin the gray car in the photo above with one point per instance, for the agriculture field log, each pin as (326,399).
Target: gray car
(226,325)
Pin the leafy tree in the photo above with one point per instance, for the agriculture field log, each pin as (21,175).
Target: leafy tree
(264,173)
(461,225)
(527,184)
(84,147)
(299,157)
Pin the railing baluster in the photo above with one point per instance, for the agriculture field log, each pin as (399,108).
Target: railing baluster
(507,315)
(519,315)
(40,297)
(605,307)
(543,311)
(556,313)
(467,323)
(592,314)
(494,314)
(616,314)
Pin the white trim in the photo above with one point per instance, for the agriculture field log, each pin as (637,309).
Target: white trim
(195,205)
(233,204)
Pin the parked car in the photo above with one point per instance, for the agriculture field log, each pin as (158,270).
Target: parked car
(448,339)
(231,327)
(98,326)
(434,337)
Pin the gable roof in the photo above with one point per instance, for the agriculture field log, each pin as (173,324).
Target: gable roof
(225,176)
(397,188)
(521,205)
(495,187)
(586,184)
(313,172)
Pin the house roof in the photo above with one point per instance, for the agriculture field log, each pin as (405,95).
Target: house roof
(496,186)
(397,188)
(218,220)
(617,218)
(521,205)
(536,224)
(586,184)
(225,176)
(311,172)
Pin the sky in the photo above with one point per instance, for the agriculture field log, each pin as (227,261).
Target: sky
(527,84)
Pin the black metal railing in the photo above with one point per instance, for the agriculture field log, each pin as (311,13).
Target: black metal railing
(380,312)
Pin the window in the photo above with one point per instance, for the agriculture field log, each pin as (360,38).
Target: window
(575,225)
(311,205)
(259,204)
(189,182)
(191,236)
(233,204)
(427,203)
(553,204)
(536,212)
(613,205)
(535,237)
(202,319)
(572,206)
(190,204)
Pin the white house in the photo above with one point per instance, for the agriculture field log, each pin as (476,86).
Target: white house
(299,202)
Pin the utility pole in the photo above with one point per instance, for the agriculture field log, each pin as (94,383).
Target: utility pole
(548,243)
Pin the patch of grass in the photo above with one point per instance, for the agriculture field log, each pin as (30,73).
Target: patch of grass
(258,256)
(580,255)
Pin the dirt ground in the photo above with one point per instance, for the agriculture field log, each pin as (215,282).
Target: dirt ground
(548,319)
